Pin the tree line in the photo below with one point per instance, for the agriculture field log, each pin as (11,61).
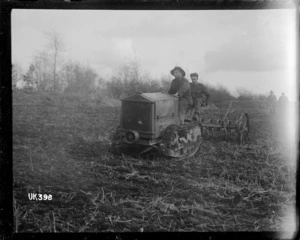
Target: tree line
(49,71)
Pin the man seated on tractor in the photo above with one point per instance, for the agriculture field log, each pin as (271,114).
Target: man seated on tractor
(180,87)
(271,101)
(199,93)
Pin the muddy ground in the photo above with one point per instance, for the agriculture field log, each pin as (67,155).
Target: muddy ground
(60,147)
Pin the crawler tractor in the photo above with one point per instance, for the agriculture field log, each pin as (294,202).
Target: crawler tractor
(151,121)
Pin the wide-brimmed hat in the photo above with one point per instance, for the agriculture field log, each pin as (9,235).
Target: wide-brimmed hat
(194,75)
(179,69)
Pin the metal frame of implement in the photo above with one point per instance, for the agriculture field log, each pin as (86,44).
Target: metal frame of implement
(217,125)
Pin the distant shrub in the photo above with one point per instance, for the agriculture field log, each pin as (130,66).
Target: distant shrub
(119,89)
(80,79)
(219,93)
(261,97)
(245,94)
(129,79)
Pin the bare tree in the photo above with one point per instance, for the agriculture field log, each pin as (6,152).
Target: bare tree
(56,47)
(80,79)
(43,70)
(123,74)
(68,74)
(29,76)
(135,69)
(16,73)
(131,78)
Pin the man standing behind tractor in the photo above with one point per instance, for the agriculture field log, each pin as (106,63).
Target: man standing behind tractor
(283,101)
(271,101)
(180,87)
(199,94)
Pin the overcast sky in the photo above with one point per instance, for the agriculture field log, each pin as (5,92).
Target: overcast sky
(254,49)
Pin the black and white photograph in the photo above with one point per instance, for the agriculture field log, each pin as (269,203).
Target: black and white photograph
(154,120)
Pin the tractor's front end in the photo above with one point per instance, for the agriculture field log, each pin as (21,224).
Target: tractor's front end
(143,117)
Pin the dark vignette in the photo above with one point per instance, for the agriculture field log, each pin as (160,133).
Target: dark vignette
(6,174)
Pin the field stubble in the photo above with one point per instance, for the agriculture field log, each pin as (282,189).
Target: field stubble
(60,147)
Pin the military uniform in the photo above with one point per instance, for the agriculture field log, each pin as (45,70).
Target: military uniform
(200,96)
(283,100)
(283,103)
(182,87)
(271,101)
